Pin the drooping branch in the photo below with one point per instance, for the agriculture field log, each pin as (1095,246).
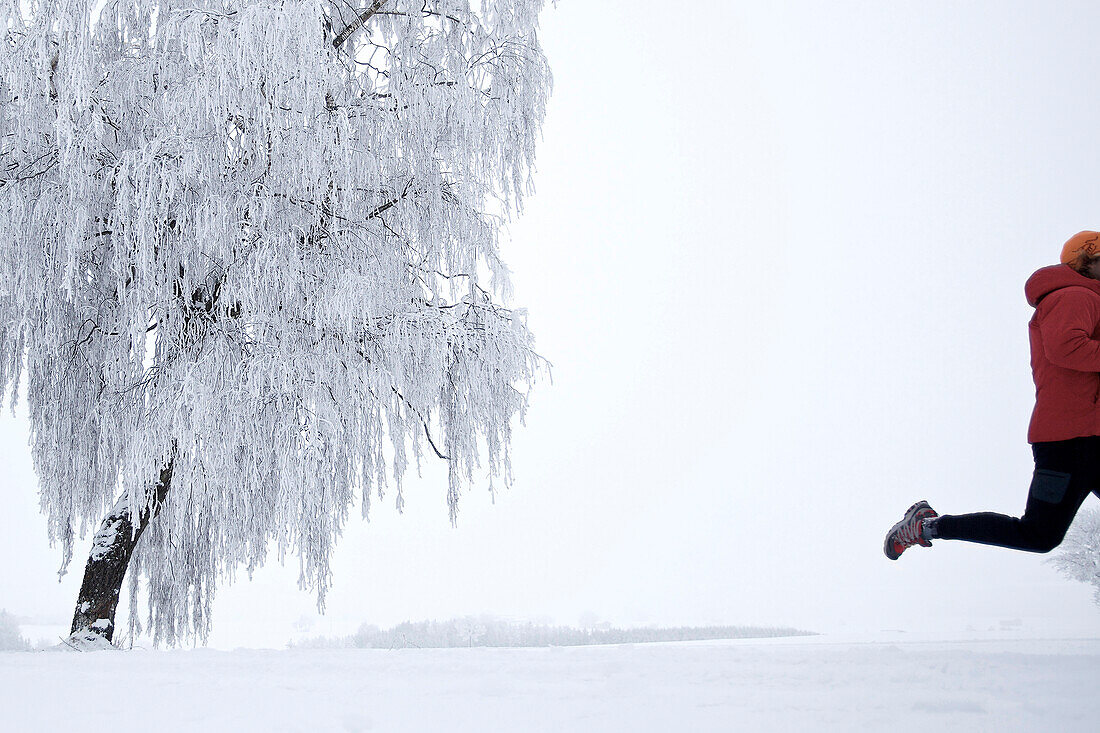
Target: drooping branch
(356,24)
(424,422)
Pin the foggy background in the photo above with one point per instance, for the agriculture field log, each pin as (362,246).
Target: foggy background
(776,257)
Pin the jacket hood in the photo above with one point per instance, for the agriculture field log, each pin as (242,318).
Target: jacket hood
(1047,280)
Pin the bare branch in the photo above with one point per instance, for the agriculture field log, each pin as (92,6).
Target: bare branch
(424,422)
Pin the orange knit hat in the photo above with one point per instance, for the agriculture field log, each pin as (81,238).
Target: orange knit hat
(1081,243)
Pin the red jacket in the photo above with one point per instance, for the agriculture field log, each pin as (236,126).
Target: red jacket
(1065,354)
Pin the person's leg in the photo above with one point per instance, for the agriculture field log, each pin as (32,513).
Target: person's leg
(1065,473)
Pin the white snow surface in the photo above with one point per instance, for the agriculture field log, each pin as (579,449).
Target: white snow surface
(890,681)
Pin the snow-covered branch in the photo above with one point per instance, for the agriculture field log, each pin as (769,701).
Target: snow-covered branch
(356,24)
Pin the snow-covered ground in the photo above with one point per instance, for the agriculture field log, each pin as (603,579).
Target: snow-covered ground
(899,681)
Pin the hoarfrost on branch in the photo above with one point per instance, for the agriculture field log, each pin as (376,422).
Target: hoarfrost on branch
(257,242)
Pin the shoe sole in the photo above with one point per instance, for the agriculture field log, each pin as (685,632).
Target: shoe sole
(911,513)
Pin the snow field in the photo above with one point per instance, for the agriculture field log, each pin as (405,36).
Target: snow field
(750,685)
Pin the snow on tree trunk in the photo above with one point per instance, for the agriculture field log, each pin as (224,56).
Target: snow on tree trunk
(257,241)
(112,547)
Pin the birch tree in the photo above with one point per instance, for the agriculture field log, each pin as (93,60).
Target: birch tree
(249,273)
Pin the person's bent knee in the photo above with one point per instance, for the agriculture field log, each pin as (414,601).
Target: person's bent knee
(1041,537)
(1044,545)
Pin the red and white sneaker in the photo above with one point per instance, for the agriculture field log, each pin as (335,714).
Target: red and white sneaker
(907,532)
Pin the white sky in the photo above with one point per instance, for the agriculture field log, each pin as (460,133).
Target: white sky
(777,258)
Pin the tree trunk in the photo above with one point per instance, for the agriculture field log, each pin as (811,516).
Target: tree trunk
(112,548)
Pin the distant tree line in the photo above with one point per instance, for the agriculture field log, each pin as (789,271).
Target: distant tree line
(493,632)
(10,638)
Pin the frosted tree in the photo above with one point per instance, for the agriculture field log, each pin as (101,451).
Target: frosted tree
(249,266)
(1079,556)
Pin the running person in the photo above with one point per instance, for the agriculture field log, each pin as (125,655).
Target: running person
(1065,425)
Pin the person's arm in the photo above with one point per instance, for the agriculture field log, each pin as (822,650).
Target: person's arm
(1067,320)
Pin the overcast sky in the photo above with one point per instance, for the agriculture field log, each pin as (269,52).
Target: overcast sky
(777,257)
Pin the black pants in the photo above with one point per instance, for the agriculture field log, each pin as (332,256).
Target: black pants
(1065,472)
